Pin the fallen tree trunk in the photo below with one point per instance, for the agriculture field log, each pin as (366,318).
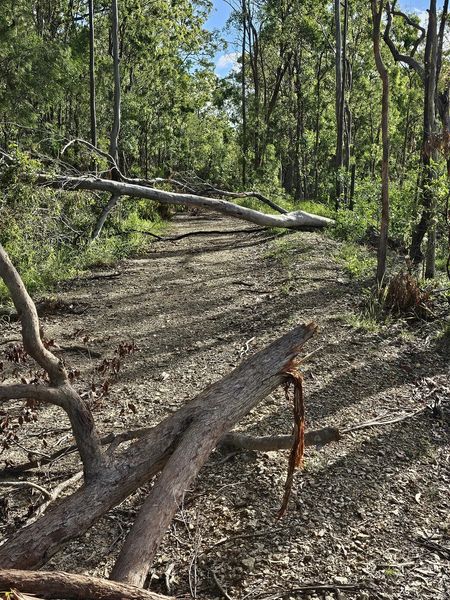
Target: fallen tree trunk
(201,423)
(57,584)
(205,189)
(293,220)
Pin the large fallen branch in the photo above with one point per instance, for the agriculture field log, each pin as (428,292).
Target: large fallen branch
(270,443)
(205,189)
(293,220)
(57,584)
(179,446)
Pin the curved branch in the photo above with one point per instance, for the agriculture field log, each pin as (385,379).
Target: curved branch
(36,392)
(27,484)
(30,322)
(398,56)
(295,220)
(60,392)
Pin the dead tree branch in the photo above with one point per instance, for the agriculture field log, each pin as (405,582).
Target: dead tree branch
(200,424)
(270,443)
(207,189)
(60,392)
(295,220)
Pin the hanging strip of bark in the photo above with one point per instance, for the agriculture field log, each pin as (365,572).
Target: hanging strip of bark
(298,446)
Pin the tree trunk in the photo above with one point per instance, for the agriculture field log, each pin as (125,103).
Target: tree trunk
(377,13)
(339,100)
(92,74)
(243,96)
(430,59)
(57,584)
(114,140)
(317,125)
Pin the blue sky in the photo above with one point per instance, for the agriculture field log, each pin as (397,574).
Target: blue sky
(225,59)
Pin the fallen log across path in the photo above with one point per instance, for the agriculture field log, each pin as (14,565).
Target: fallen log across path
(292,220)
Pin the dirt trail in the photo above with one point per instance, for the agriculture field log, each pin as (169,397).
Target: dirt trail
(195,308)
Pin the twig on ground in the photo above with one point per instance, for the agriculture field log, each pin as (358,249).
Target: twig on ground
(435,547)
(315,587)
(176,238)
(379,422)
(54,494)
(220,586)
(27,484)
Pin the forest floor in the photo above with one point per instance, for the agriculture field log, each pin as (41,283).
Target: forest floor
(368,514)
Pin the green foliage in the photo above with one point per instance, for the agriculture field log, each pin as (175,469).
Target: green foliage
(46,234)
(357,260)
(178,117)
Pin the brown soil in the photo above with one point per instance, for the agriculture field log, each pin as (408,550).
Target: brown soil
(361,508)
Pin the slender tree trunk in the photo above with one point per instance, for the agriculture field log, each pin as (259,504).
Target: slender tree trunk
(243,96)
(299,190)
(92,74)
(339,91)
(428,127)
(114,140)
(317,126)
(344,114)
(377,13)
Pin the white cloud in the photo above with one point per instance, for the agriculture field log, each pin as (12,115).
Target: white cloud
(423,17)
(226,63)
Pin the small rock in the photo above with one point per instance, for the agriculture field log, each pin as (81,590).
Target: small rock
(249,562)
(340,580)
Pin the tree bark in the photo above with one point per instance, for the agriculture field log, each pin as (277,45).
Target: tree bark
(57,584)
(377,13)
(93,110)
(114,140)
(339,100)
(294,220)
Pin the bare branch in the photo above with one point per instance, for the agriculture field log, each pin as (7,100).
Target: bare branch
(269,443)
(294,220)
(61,392)
(30,322)
(398,56)
(27,484)
(36,392)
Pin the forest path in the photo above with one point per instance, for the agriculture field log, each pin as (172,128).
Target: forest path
(195,308)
